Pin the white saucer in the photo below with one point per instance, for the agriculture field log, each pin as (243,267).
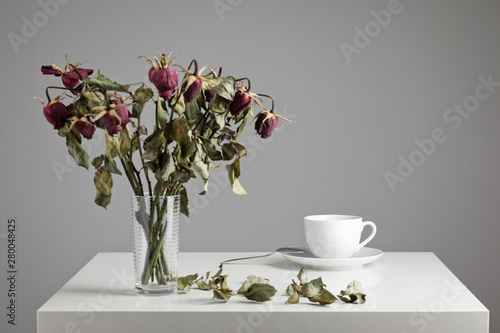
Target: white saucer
(364,256)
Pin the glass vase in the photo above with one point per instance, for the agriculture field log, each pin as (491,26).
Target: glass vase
(156,243)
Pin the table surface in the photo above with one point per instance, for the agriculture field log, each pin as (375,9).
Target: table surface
(414,291)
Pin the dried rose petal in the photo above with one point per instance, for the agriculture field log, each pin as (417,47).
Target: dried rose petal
(49,70)
(85,127)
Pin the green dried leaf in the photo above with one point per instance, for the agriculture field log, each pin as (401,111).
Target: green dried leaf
(240,149)
(234,172)
(167,166)
(313,288)
(225,88)
(184,283)
(97,162)
(63,131)
(161,112)
(193,113)
(143,94)
(248,115)
(260,292)
(104,83)
(91,97)
(219,105)
(354,292)
(210,147)
(221,294)
(112,145)
(210,82)
(137,110)
(293,288)
(222,281)
(203,285)
(184,201)
(125,141)
(324,297)
(219,272)
(153,145)
(251,279)
(110,166)
(200,162)
(302,276)
(228,151)
(73,142)
(177,103)
(103,183)
(294,298)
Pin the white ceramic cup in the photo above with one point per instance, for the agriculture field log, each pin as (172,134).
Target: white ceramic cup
(335,236)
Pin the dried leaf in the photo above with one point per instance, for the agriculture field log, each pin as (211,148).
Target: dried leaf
(73,142)
(203,285)
(112,145)
(353,292)
(221,294)
(251,279)
(104,83)
(324,297)
(184,283)
(260,292)
(313,288)
(294,298)
(125,141)
(302,276)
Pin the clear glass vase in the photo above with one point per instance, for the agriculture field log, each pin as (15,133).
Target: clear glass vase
(156,243)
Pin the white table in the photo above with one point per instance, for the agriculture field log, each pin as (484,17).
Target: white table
(406,293)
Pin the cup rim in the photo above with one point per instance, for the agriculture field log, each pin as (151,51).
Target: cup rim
(330,217)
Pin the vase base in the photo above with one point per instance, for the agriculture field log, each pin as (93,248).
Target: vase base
(156,289)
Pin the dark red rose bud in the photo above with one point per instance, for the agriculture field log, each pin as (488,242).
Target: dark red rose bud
(86,127)
(165,80)
(265,124)
(56,114)
(240,103)
(192,90)
(49,70)
(114,124)
(209,95)
(72,79)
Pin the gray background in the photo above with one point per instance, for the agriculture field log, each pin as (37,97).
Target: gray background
(353,122)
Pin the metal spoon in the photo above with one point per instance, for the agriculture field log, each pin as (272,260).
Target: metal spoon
(280,250)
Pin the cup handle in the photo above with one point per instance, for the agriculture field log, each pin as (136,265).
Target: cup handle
(369,238)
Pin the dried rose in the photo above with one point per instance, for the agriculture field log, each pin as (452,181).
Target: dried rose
(191,90)
(209,95)
(240,103)
(165,80)
(115,118)
(70,76)
(86,127)
(55,112)
(266,123)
